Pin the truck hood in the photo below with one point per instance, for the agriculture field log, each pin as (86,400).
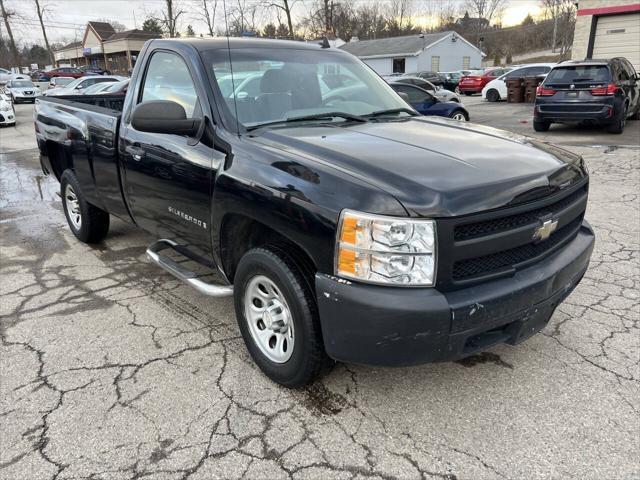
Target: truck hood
(436,167)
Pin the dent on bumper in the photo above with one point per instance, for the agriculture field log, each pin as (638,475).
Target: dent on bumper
(394,326)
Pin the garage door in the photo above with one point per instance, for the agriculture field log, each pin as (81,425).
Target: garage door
(617,36)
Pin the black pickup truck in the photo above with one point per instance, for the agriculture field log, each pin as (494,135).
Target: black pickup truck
(346,226)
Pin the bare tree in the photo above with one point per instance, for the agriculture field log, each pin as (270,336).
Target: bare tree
(562,12)
(242,17)
(43,9)
(283,6)
(170,16)
(485,12)
(207,12)
(6,16)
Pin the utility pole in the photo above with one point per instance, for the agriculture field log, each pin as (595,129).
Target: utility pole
(5,16)
(40,9)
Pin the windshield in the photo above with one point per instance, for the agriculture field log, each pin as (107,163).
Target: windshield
(22,84)
(272,84)
(74,83)
(577,74)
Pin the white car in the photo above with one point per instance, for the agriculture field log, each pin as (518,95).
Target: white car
(78,85)
(496,89)
(7,112)
(57,82)
(6,75)
(22,90)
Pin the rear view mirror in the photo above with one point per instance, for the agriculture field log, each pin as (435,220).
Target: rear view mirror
(163,116)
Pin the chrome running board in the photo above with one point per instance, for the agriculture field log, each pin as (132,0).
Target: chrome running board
(181,273)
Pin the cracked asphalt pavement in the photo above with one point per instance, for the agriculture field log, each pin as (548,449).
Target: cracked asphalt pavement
(112,369)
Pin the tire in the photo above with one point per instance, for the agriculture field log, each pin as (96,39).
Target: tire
(88,223)
(493,95)
(617,127)
(468,94)
(269,281)
(541,126)
(459,115)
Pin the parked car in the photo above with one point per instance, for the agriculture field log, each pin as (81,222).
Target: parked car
(7,111)
(93,70)
(432,77)
(39,76)
(603,92)
(345,225)
(450,80)
(96,88)
(5,75)
(426,104)
(76,87)
(22,91)
(438,92)
(65,72)
(117,88)
(58,82)
(474,83)
(496,89)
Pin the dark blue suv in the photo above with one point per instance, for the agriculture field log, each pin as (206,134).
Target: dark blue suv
(603,92)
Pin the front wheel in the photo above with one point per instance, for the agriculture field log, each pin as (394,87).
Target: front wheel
(459,115)
(278,316)
(88,223)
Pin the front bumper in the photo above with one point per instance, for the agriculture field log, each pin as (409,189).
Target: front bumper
(7,118)
(394,326)
(21,97)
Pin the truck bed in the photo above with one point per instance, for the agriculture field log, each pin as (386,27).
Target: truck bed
(82,131)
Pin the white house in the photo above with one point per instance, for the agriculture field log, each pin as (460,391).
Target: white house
(436,52)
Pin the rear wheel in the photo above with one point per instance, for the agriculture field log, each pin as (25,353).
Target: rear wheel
(493,95)
(278,316)
(618,125)
(468,94)
(541,126)
(88,223)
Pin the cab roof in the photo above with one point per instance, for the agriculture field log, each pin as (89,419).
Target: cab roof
(202,44)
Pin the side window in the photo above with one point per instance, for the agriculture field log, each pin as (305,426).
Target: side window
(168,78)
(416,95)
(629,68)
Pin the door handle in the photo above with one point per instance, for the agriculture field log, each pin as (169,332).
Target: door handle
(136,152)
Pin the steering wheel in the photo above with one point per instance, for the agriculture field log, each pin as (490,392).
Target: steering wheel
(329,101)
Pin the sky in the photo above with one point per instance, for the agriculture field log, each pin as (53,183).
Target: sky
(67,18)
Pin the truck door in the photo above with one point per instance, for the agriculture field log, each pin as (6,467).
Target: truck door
(168,177)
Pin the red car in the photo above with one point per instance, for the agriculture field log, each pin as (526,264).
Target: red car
(471,84)
(65,72)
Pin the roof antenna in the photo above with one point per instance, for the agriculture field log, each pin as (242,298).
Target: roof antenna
(325,42)
(233,84)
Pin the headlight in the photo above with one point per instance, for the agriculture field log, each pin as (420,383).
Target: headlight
(386,250)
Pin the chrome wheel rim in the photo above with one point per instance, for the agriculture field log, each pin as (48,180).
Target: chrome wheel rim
(73,207)
(459,117)
(269,319)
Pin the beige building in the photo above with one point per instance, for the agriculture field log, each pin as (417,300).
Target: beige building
(606,29)
(103,47)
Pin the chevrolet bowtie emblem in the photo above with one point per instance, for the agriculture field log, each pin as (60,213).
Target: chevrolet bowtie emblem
(545,230)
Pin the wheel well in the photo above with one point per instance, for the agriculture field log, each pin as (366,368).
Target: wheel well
(239,234)
(58,157)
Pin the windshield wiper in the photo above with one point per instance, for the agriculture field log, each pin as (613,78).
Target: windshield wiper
(314,116)
(391,111)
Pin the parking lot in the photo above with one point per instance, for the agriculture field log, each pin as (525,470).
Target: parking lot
(112,369)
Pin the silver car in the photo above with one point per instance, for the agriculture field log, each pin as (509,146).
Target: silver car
(438,92)
(78,85)
(22,90)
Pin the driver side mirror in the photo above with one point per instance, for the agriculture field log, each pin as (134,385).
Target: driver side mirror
(164,116)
